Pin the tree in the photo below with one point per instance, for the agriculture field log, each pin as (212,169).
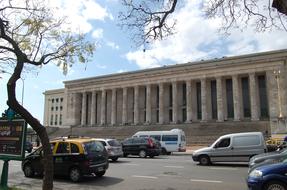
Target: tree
(152,20)
(30,36)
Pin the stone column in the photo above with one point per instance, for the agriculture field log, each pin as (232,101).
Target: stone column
(93,108)
(272,89)
(136,105)
(203,99)
(84,108)
(125,111)
(188,102)
(114,107)
(174,102)
(220,116)
(148,103)
(161,103)
(253,97)
(236,98)
(103,107)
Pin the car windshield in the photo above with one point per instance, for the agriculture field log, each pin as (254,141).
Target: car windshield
(93,146)
(114,143)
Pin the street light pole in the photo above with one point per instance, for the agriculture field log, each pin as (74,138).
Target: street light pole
(22,99)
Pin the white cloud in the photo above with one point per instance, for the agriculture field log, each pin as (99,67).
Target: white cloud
(198,38)
(98,33)
(79,13)
(113,45)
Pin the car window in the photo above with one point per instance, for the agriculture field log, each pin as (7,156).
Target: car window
(114,143)
(93,147)
(143,136)
(63,147)
(128,141)
(74,148)
(182,137)
(103,143)
(223,143)
(52,146)
(156,137)
(169,138)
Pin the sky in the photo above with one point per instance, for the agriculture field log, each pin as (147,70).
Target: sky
(196,38)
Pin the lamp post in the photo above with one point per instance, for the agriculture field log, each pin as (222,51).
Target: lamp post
(23,86)
(277,77)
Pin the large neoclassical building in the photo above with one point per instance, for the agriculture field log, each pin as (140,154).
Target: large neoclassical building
(249,88)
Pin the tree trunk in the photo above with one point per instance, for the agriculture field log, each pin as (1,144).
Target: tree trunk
(35,124)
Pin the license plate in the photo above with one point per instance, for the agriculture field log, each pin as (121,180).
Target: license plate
(100,169)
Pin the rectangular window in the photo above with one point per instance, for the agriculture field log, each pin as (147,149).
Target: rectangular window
(198,97)
(169,137)
(263,96)
(170,95)
(184,95)
(157,115)
(156,137)
(60,120)
(184,114)
(246,97)
(157,96)
(229,98)
(56,119)
(251,140)
(51,120)
(170,115)
(213,99)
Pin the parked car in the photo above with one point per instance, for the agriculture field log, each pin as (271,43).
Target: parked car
(170,141)
(142,146)
(236,147)
(73,157)
(113,147)
(28,146)
(268,177)
(267,158)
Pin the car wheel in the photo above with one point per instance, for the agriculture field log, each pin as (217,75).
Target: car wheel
(125,155)
(75,174)
(28,170)
(115,159)
(151,156)
(168,153)
(204,160)
(275,185)
(100,174)
(142,154)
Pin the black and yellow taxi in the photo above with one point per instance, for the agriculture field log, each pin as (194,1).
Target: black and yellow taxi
(72,156)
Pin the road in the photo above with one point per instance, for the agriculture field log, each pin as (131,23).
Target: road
(161,173)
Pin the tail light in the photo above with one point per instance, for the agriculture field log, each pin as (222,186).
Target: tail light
(150,143)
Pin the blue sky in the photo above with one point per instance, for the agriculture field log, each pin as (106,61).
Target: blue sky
(196,38)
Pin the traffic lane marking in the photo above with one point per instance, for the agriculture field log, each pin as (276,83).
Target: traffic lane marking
(180,167)
(221,168)
(205,181)
(143,176)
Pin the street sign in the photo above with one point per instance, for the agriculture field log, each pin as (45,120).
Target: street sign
(12,139)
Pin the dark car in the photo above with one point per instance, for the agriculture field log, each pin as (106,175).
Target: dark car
(28,146)
(268,177)
(142,146)
(267,158)
(73,157)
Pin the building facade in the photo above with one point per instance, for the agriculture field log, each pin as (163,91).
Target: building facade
(242,88)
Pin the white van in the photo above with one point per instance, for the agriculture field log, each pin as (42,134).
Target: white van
(171,141)
(236,147)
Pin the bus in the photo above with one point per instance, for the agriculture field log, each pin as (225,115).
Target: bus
(171,141)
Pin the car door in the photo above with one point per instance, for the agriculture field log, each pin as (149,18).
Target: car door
(222,151)
(127,146)
(36,160)
(62,158)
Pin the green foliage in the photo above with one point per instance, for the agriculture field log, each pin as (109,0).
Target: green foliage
(44,38)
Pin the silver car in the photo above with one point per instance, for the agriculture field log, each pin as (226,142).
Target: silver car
(267,158)
(113,147)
